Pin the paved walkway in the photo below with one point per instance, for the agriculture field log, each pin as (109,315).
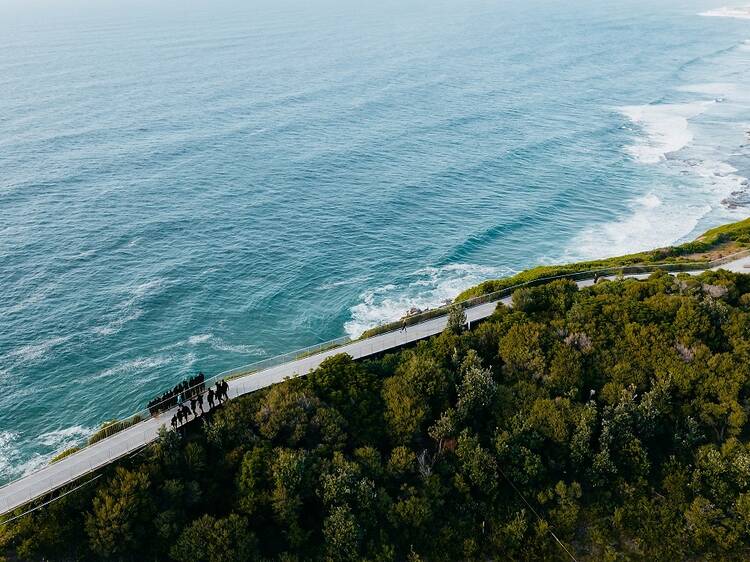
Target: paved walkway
(107,450)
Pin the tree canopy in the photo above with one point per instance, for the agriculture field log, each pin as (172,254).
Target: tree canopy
(610,423)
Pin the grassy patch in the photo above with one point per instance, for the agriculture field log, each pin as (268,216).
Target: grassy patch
(714,244)
(112,427)
(65,453)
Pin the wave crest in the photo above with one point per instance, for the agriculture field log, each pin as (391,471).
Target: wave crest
(426,288)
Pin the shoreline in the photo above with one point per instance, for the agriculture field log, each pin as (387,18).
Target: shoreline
(71,467)
(716,244)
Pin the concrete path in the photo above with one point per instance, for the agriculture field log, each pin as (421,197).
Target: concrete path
(102,453)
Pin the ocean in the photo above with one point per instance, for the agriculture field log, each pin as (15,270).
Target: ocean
(192,185)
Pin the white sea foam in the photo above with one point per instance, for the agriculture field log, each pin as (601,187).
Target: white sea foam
(343,282)
(695,182)
(711,89)
(665,126)
(243,349)
(129,309)
(12,463)
(426,288)
(218,344)
(8,454)
(34,463)
(139,364)
(650,224)
(649,201)
(199,338)
(147,287)
(34,351)
(719,178)
(35,297)
(62,439)
(728,12)
(117,324)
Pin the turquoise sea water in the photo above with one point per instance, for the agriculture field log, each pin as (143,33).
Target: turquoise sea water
(197,185)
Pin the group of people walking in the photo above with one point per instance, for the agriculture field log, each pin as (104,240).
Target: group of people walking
(195,403)
(181,393)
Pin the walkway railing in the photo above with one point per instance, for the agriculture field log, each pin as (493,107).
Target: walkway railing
(144,431)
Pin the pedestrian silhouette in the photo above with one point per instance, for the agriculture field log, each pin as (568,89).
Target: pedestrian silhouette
(174,422)
(225,390)
(193,404)
(210,398)
(200,402)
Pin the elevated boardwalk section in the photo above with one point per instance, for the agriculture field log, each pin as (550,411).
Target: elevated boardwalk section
(254,377)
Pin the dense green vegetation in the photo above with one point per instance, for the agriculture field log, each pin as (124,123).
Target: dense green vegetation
(66,453)
(612,418)
(730,237)
(112,427)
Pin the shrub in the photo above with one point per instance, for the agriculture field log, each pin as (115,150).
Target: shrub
(112,427)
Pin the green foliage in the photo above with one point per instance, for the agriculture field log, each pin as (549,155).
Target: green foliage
(66,453)
(613,416)
(456,320)
(116,524)
(112,427)
(208,539)
(738,232)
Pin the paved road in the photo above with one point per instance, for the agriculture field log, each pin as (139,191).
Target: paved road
(121,444)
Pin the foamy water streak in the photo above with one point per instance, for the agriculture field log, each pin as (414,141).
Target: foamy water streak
(428,288)
(650,224)
(12,461)
(665,126)
(728,12)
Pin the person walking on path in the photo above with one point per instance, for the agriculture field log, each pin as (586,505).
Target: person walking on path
(210,398)
(221,391)
(200,403)
(174,422)
(193,407)
(403,325)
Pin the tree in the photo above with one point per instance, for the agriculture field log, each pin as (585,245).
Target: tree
(348,387)
(456,319)
(522,351)
(415,394)
(285,416)
(253,480)
(208,539)
(288,472)
(119,516)
(342,535)
(476,395)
